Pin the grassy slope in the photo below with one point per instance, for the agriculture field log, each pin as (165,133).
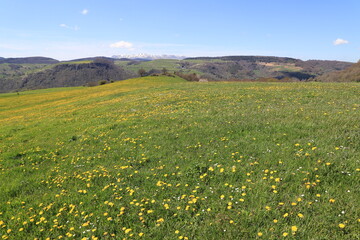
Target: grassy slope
(168,158)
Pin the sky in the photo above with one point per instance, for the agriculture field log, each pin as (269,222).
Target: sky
(70,29)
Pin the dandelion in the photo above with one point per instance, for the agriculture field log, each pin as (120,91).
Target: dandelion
(160,220)
(259,234)
(294,228)
(285,234)
(341,225)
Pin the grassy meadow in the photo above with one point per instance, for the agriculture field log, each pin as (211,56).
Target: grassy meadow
(162,158)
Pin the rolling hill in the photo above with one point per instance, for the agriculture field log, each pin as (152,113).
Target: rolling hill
(65,74)
(76,74)
(350,74)
(240,67)
(29,60)
(39,72)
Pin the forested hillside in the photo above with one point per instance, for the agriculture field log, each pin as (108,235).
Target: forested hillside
(350,74)
(39,72)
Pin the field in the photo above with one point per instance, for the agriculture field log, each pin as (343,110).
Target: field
(162,158)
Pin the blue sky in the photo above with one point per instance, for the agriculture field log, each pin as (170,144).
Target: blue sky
(68,29)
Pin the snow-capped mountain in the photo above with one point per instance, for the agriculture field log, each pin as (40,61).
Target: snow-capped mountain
(144,56)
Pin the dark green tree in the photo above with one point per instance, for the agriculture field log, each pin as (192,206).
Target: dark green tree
(142,72)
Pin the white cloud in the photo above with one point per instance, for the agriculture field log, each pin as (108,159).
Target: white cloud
(84,12)
(340,41)
(75,28)
(122,44)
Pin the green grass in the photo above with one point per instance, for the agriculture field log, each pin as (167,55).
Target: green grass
(161,158)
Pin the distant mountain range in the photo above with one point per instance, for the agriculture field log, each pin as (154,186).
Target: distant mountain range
(144,56)
(29,60)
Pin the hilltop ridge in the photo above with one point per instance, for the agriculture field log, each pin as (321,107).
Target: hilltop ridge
(145,56)
(42,72)
(29,60)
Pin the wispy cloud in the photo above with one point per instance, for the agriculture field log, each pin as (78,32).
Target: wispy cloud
(85,11)
(122,44)
(75,28)
(340,41)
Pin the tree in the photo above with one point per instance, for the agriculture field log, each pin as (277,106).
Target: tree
(142,72)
